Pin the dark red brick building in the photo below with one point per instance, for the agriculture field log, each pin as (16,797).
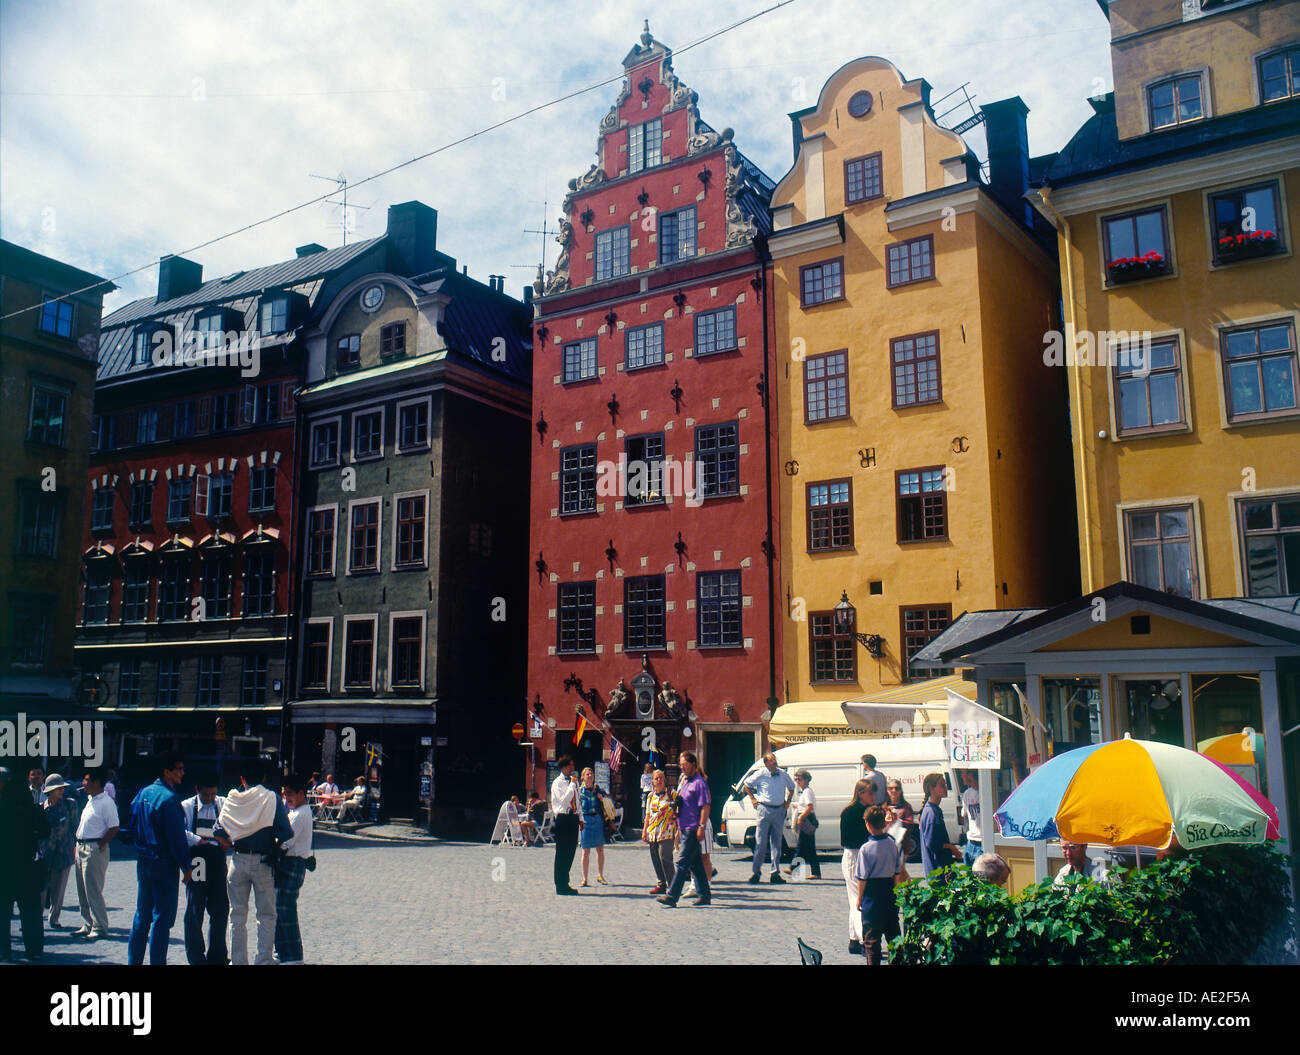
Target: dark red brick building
(651,519)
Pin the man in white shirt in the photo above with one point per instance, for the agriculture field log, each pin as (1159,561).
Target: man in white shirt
(96,829)
(877,778)
(290,870)
(564,807)
(328,787)
(1077,863)
(209,893)
(970,807)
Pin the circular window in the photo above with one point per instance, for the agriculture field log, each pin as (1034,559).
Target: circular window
(860,104)
(372,297)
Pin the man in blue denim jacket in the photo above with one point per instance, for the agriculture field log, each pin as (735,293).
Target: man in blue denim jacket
(162,852)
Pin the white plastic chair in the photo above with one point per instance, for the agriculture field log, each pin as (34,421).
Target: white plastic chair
(617,837)
(546,829)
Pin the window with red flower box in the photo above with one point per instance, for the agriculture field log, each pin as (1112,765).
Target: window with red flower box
(1246,222)
(1136,245)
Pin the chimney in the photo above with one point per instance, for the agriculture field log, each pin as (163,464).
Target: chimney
(528,294)
(177,277)
(310,249)
(1008,142)
(412,238)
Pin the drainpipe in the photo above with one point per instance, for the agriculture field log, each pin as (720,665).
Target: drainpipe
(1040,199)
(760,246)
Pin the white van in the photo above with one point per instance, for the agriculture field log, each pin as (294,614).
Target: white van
(835,766)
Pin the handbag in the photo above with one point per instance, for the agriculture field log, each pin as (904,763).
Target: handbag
(607,808)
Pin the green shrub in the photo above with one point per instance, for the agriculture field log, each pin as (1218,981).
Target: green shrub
(1221,905)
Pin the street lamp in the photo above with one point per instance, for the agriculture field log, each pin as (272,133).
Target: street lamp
(846,617)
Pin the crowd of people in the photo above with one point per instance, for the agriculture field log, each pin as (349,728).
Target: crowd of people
(253,843)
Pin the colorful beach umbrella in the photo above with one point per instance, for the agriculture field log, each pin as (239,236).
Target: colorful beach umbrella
(1137,793)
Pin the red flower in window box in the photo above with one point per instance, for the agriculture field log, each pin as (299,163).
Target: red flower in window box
(1128,268)
(1248,244)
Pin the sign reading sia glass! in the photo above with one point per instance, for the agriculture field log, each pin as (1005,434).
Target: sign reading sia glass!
(974,741)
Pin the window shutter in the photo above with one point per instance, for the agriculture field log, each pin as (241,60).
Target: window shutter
(203,425)
(248,405)
(201,492)
(286,399)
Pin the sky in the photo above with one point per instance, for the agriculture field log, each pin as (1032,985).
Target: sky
(132,130)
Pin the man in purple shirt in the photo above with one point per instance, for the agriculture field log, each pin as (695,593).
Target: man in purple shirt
(693,804)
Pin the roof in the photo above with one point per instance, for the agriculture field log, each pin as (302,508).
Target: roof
(20,261)
(477,316)
(967,627)
(1096,150)
(754,192)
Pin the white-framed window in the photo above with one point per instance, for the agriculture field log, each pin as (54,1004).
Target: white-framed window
(613,253)
(367,434)
(410,530)
(579,360)
(365,527)
(406,650)
(318,654)
(275,314)
(1177,100)
(645,145)
(413,416)
(325,442)
(360,638)
(322,539)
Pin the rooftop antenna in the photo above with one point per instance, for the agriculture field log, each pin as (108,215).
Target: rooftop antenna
(341,181)
(544,231)
(975,117)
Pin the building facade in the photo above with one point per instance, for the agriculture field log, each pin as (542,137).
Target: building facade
(923,443)
(1176,209)
(410,622)
(48,336)
(651,610)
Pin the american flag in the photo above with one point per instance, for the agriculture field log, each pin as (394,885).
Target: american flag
(615,756)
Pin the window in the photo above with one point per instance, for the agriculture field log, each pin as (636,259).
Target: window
(259,584)
(56,317)
(363,552)
(38,521)
(676,235)
(209,681)
(1175,102)
(275,315)
(184,419)
(140,350)
(920,626)
(612,253)
(169,683)
(645,145)
(180,500)
(645,470)
(717,459)
(1246,223)
(368,435)
(49,410)
(922,504)
(146,425)
(135,591)
(128,683)
(174,591)
(261,488)
(717,607)
(392,339)
(96,595)
(644,346)
(141,503)
(830,516)
(221,490)
(407,635)
(225,411)
(1279,75)
(265,404)
(103,432)
(577,617)
(1136,245)
(348,350)
(30,618)
(1260,362)
(1160,552)
(325,443)
(101,517)
(215,587)
(826,387)
(916,369)
(409,545)
(1149,389)
(643,612)
(910,261)
(1270,528)
(715,331)
(819,283)
(316,655)
(580,360)
(359,654)
(862,179)
(211,330)
(320,541)
(578,479)
(253,688)
(832,649)
(413,426)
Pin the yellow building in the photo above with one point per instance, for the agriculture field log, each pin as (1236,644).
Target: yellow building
(923,442)
(1176,207)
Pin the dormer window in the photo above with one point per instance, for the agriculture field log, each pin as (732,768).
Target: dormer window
(140,355)
(212,328)
(275,315)
(1279,75)
(1175,101)
(645,145)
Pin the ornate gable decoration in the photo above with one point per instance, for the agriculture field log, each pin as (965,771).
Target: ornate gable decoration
(700,138)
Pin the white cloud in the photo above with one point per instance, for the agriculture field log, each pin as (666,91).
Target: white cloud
(133,131)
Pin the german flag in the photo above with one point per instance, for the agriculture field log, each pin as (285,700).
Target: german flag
(578,730)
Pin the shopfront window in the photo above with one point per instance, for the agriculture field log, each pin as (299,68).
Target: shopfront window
(1004,700)
(1071,712)
(1227,705)
(1154,710)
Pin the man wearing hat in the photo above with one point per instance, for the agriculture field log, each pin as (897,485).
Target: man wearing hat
(60,850)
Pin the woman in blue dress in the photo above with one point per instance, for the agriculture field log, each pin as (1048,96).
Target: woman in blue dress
(591,822)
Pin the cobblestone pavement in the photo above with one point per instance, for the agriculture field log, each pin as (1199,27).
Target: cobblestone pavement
(372,902)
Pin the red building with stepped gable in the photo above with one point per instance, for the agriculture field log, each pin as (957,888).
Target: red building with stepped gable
(652,604)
